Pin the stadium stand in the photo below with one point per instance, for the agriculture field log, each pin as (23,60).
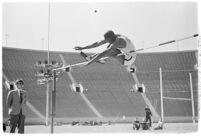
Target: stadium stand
(108,85)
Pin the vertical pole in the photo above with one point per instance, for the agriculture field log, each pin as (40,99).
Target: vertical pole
(48,54)
(53,102)
(47,104)
(48,61)
(161,92)
(6,38)
(192,98)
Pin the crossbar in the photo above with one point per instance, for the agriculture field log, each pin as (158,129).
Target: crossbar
(71,65)
(174,98)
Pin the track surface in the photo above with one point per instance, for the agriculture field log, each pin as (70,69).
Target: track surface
(114,128)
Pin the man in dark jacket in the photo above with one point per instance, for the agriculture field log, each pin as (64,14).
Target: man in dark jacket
(148,115)
(16,103)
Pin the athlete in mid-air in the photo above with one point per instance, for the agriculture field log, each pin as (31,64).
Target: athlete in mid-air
(120,48)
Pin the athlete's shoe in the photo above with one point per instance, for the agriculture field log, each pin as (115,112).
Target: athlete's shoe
(88,58)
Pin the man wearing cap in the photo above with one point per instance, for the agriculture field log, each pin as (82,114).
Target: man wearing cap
(16,103)
(119,47)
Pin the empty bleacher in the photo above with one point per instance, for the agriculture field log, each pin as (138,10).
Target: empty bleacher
(108,86)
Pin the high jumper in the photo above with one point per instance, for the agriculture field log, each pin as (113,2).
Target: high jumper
(119,47)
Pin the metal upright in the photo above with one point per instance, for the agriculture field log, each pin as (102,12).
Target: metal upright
(192,98)
(53,102)
(48,60)
(161,93)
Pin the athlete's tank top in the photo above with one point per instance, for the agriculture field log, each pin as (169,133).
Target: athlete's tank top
(129,45)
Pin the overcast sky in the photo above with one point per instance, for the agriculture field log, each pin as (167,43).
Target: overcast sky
(25,25)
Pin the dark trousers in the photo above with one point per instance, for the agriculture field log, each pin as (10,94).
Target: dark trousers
(17,121)
(145,126)
(148,119)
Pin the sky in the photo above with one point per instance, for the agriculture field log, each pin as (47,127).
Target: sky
(25,25)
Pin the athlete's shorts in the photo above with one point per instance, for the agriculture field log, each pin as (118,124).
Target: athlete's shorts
(129,59)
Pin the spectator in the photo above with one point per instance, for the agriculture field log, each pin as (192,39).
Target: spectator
(159,125)
(144,124)
(75,123)
(136,124)
(148,115)
(16,103)
(4,127)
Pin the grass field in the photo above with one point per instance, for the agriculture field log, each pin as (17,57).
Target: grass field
(114,128)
